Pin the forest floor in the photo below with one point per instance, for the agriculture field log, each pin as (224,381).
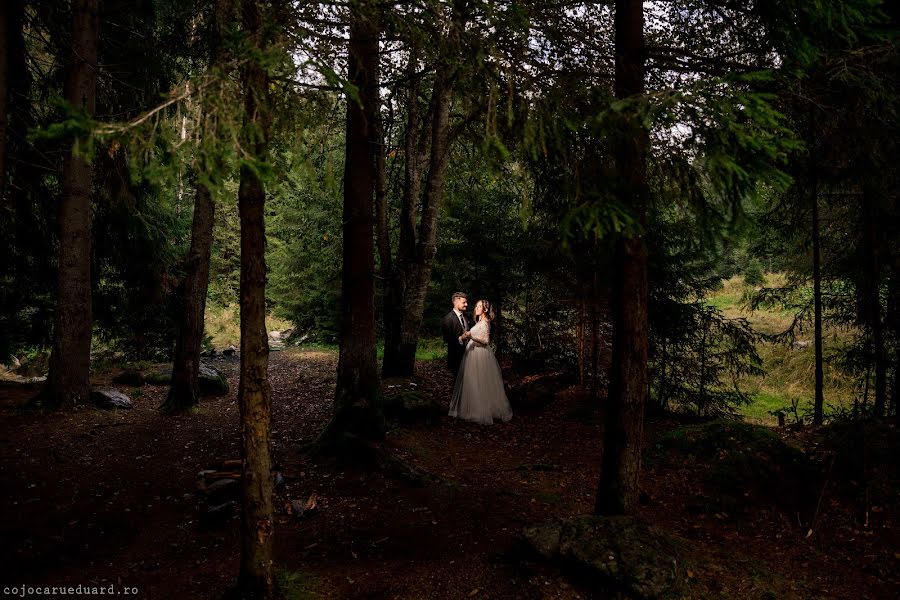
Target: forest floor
(96,498)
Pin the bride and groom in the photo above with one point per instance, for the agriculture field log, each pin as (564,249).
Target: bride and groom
(478,395)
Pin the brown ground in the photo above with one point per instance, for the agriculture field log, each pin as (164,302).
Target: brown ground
(92,497)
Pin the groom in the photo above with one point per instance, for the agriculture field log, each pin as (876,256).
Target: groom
(454,327)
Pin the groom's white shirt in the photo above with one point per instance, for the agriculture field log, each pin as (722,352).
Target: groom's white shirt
(459,318)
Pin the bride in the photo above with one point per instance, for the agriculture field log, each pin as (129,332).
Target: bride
(479,395)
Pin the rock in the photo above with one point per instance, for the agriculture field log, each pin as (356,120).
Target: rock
(211,382)
(801,344)
(620,552)
(275,335)
(110,398)
(131,378)
(410,406)
(229,351)
(749,466)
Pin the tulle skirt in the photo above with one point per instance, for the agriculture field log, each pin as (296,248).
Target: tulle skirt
(479,395)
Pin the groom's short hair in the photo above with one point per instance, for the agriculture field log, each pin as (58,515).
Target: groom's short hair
(458,295)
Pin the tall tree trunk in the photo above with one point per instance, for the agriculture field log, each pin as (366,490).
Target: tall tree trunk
(819,402)
(6,41)
(184,390)
(415,255)
(620,466)
(256,578)
(872,298)
(357,402)
(415,147)
(419,275)
(70,359)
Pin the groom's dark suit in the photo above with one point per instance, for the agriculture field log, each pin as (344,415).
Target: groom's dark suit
(452,328)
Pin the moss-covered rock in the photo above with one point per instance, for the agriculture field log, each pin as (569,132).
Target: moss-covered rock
(748,464)
(623,553)
(411,406)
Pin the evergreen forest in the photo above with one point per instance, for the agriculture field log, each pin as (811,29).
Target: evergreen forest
(247,245)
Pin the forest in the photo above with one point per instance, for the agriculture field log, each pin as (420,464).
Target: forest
(243,241)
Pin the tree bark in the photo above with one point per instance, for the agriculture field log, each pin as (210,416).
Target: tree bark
(620,465)
(184,390)
(419,273)
(819,402)
(256,578)
(68,381)
(415,147)
(6,40)
(416,250)
(872,298)
(357,402)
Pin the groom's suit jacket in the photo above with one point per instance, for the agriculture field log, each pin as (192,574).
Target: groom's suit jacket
(452,329)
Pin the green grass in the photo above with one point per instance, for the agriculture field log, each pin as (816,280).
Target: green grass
(789,371)
(223,325)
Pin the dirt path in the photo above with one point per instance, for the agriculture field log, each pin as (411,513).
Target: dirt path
(97,498)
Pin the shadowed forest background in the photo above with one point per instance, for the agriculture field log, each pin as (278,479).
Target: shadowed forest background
(230,229)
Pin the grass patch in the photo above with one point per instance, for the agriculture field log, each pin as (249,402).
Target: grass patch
(223,325)
(789,370)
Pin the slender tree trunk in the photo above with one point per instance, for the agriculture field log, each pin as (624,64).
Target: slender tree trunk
(184,390)
(256,578)
(872,298)
(395,284)
(6,41)
(416,256)
(419,274)
(70,360)
(623,425)
(701,398)
(357,402)
(819,402)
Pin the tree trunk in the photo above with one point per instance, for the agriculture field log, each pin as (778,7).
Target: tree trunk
(872,298)
(184,391)
(6,40)
(68,381)
(415,147)
(415,257)
(256,578)
(357,402)
(419,275)
(618,488)
(819,402)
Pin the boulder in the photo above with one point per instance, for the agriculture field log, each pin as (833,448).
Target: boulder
(110,398)
(130,378)
(210,381)
(621,552)
(745,466)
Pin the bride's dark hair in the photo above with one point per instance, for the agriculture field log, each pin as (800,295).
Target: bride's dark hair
(488,309)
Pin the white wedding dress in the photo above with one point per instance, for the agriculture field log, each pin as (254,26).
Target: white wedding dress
(479,395)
